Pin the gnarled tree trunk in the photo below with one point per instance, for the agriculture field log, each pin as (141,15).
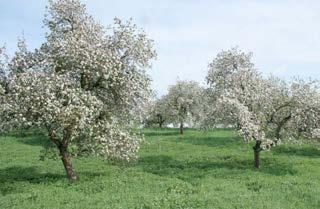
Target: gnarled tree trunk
(64,154)
(66,160)
(256,150)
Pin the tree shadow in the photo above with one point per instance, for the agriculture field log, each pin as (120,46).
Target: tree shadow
(29,137)
(161,133)
(30,174)
(33,175)
(212,141)
(166,131)
(24,133)
(299,151)
(163,165)
(11,175)
(36,140)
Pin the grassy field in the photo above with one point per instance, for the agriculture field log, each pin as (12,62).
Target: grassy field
(198,170)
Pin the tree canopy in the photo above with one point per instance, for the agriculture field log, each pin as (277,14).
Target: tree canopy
(82,85)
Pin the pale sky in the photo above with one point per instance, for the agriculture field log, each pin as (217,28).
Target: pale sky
(284,35)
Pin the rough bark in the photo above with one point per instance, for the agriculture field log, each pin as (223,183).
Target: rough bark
(181,128)
(64,154)
(256,150)
(66,160)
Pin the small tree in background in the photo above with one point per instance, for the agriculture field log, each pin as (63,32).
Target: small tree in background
(83,85)
(157,113)
(183,102)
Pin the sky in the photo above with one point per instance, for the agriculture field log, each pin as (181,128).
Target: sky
(284,36)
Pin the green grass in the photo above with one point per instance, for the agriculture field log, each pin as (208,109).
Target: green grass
(198,170)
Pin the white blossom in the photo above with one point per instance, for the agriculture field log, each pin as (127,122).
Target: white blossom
(86,84)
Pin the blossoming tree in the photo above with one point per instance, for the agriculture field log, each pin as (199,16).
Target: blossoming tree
(239,95)
(83,85)
(305,120)
(3,64)
(183,102)
(157,113)
(264,110)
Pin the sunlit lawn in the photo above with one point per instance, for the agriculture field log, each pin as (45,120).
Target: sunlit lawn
(197,170)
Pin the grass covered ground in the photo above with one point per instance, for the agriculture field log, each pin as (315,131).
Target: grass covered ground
(197,170)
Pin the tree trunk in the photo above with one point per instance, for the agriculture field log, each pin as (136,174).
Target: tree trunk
(64,154)
(257,149)
(181,128)
(66,160)
(280,126)
(160,120)
(256,159)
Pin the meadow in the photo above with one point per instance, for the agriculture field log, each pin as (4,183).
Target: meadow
(197,170)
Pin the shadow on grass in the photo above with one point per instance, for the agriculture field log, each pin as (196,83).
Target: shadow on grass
(29,137)
(167,132)
(25,133)
(35,140)
(11,175)
(211,141)
(33,175)
(163,165)
(162,133)
(214,138)
(298,151)
(30,174)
